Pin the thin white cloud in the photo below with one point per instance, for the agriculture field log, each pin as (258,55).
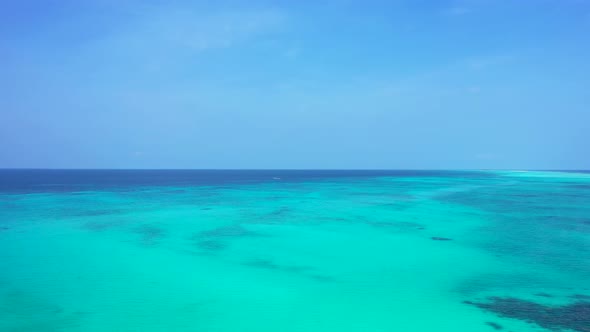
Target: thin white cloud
(483,62)
(156,34)
(218,30)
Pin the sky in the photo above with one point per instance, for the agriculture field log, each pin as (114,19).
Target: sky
(398,84)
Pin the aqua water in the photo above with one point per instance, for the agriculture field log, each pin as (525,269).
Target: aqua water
(257,251)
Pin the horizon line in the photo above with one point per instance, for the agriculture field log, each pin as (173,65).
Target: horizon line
(291,169)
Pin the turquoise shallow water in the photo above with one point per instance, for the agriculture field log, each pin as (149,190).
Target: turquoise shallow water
(420,251)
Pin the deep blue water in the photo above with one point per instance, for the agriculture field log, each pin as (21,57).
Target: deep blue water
(42,180)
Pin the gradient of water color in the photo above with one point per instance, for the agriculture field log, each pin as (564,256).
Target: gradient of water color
(257,251)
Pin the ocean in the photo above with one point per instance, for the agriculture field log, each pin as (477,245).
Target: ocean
(286,250)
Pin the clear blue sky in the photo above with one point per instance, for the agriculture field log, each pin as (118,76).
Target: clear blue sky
(295,84)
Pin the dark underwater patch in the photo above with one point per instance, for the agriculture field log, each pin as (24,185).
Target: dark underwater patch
(574,316)
(97,213)
(150,235)
(275,217)
(267,264)
(210,245)
(98,226)
(305,271)
(280,212)
(263,263)
(495,326)
(492,282)
(228,231)
(215,239)
(41,315)
(438,238)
